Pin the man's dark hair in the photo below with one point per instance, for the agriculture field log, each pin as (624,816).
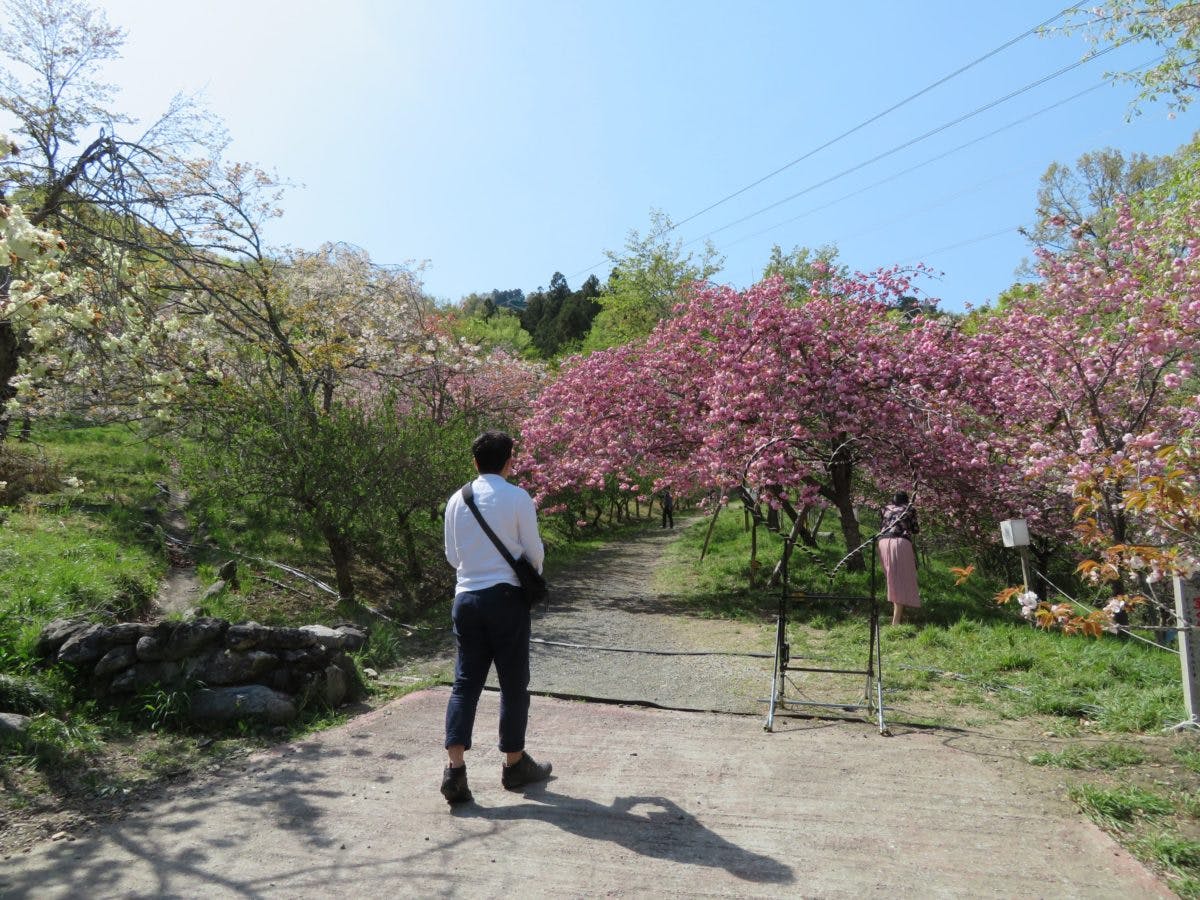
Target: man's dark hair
(901,498)
(492,450)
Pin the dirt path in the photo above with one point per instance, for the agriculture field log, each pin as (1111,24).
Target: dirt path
(608,601)
(179,591)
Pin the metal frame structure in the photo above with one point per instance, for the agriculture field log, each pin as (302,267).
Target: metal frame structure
(872,700)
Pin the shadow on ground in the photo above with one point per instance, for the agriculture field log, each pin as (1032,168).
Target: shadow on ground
(647,825)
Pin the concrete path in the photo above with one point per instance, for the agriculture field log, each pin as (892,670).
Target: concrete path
(643,803)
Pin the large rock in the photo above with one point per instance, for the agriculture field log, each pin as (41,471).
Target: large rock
(188,637)
(213,590)
(353,637)
(233,667)
(309,659)
(151,648)
(337,685)
(127,632)
(326,636)
(14,729)
(355,688)
(118,658)
(254,702)
(83,647)
(142,675)
(55,634)
(251,634)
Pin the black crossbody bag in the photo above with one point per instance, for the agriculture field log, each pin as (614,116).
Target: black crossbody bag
(533,585)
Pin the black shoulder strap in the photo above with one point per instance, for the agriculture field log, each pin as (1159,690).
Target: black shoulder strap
(468,495)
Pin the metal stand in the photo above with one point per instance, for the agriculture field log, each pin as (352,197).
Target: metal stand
(872,699)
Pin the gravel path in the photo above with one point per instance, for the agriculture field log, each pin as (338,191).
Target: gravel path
(607,600)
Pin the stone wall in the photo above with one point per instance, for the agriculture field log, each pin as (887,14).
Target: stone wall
(230,672)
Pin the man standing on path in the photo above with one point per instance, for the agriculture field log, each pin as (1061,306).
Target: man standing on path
(491,620)
(668,509)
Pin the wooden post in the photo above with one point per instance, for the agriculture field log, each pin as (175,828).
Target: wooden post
(1026,574)
(753,553)
(1189,652)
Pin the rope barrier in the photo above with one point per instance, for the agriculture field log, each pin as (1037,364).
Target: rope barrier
(1122,628)
(651,652)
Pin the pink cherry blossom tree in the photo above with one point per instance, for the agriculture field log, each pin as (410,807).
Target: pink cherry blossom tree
(1094,392)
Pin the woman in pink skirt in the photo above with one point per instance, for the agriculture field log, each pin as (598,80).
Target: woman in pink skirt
(896,553)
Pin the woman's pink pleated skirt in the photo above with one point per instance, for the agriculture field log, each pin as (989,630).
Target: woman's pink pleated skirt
(900,567)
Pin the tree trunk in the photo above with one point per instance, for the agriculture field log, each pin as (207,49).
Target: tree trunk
(753,549)
(841,472)
(800,521)
(415,572)
(10,357)
(342,554)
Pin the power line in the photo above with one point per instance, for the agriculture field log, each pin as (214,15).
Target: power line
(896,149)
(975,240)
(946,198)
(926,162)
(861,125)
(878,116)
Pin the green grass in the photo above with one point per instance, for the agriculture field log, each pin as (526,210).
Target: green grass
(115,462)
(1104,757)
(1120,806)
(86,552)
(1175,853)
(1189,757)
(67,564)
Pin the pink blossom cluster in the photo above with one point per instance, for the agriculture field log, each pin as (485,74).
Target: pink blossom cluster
(835,378)
(1092,376)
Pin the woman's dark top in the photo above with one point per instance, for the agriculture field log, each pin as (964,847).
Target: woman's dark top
(899,521)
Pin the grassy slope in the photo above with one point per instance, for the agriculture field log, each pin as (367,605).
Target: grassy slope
(96,553)
(83,554)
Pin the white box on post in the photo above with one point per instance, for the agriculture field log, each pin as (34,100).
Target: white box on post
(1014,532)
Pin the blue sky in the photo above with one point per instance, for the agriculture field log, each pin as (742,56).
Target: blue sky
(501,142)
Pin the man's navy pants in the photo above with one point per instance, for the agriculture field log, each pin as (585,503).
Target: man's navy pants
(490,625)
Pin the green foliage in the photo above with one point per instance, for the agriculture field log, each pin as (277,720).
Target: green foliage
(1172,851)
(56,741)
(161,707)
(803,266)
(387,647)
(1169,25)
(25,471)
(500,330)
(1119,806)
(355,475)
(1106,756)
(645,283)
(26,695)
(559,318)
(115,463)
(1080,201)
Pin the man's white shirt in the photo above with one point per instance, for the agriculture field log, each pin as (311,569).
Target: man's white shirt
(510,513)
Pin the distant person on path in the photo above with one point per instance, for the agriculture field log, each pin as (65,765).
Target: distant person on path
(896,553)
(668,510)
(491,619)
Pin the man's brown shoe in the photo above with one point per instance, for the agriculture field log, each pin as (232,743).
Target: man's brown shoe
(524,771)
